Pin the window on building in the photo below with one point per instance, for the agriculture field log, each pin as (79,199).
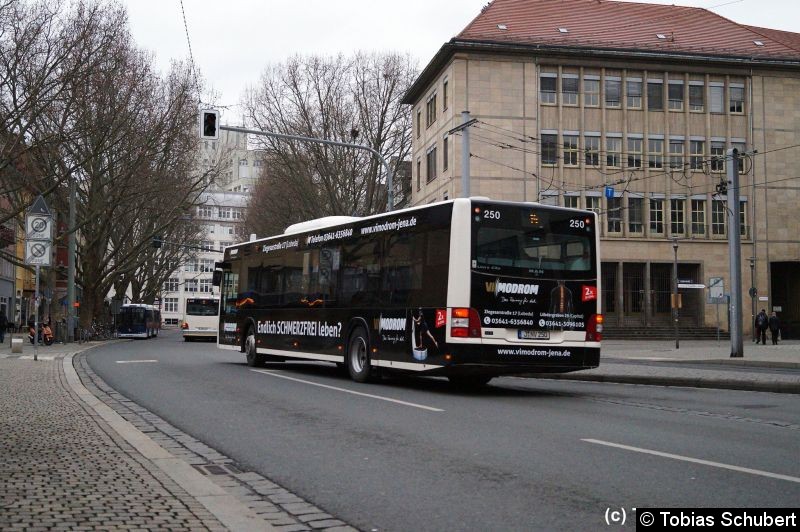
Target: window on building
(572,202)
(635,214)
(191,265)
(549,198)
(570,150)
(430,110)
(614,214)
(569,89)
(676,154)
(191,285)
(547,92)
(634,94)
(698,216)
(549,149)
(741,148)
(205,211)
(171,284)
(696,154)
(717,98)
(444,94)
(593,203)
(206,265)
(656,216)
(591,92)
(419,123)
(718,215)
(736,95)
(613,152)
(419,174)
(697,97)
(677,217)
(170,304)
(743,218)
(655,153)
(223,245)
(243,162)
(430,164)
(445,152)
(592,151)
(655,96)
(675,95)
(205,285)
(613,92)
(258,162)
(225,213)
(717,156)
(635,146)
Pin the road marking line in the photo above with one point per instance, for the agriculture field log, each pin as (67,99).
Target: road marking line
(695,460)
(134,361)
(415,405)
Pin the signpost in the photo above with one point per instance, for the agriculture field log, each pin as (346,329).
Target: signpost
(38,250)
(716,295)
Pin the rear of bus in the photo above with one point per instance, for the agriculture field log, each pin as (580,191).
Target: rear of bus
(201,319)
(533,303)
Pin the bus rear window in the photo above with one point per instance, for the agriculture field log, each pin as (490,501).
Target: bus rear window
(201,307)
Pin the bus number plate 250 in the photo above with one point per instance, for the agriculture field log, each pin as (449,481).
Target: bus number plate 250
(533,335)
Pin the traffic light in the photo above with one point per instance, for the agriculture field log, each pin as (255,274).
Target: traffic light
(209,124)
(157,242)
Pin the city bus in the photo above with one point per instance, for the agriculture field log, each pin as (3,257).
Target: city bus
(468,288)
(200,319)
(138,320)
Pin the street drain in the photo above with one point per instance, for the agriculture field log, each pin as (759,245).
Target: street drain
(217,469)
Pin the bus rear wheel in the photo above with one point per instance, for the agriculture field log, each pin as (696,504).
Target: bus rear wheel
(469,382)
(254,360)
(358,363)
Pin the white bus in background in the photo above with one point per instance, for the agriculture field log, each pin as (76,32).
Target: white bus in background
(200,319)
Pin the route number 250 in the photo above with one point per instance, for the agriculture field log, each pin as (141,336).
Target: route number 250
(491,215)
(577,223)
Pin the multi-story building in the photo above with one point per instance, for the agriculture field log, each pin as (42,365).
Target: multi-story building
(628,109)
(221,214)
(240,166)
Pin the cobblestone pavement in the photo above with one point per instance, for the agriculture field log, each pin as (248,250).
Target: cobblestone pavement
(62,468)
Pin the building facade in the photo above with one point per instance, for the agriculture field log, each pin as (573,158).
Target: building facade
(221,215)
(628,110)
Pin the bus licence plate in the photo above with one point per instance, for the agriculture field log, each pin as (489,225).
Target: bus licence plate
(533,335)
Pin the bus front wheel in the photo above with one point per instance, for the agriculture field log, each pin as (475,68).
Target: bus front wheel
(254,360)
(358,356)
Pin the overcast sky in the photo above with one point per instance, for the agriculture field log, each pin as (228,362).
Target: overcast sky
(233,40)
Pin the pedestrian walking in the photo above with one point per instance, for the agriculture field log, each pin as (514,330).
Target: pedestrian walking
(3,325)
(762,322)
(774,327)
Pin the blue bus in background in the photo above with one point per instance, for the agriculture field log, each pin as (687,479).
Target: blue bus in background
(138,320)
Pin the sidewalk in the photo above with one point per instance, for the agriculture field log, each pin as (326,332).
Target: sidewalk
(70,461)
(697,363)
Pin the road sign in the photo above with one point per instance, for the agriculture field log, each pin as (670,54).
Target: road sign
(716,290)
(37,252)
(40,207)
(38,227)
(691,285)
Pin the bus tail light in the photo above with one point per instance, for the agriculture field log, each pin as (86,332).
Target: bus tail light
(465,323)
(594,329)
(185,325)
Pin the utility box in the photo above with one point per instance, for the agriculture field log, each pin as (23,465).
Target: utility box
(16,345)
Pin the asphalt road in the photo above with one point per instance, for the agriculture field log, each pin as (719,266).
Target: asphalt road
(523,454)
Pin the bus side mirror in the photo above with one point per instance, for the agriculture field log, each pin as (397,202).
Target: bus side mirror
(216,278)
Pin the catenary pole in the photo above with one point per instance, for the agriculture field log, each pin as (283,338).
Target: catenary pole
(389,184)
(735,253)
(71,250)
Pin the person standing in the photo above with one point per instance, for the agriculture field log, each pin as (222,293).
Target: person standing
(774,327)
(3,325)
(762,322)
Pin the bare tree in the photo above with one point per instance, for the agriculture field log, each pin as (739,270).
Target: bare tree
(347,100)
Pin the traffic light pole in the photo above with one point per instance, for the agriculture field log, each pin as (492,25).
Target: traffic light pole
(735,253)
(389,184)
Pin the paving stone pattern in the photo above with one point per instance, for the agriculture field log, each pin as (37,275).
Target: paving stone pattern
(64,468)
(274,504)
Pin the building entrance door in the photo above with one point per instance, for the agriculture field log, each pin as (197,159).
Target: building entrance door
(633,294)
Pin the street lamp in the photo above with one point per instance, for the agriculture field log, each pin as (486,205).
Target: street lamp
(753,292)
(675,291)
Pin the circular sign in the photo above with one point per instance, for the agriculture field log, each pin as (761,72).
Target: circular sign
(39,225)
(38,250)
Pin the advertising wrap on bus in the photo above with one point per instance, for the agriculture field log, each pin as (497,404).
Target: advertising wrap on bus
(464,288)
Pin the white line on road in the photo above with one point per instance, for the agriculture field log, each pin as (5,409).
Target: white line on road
(695,460)
(134,361)
(389,399)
